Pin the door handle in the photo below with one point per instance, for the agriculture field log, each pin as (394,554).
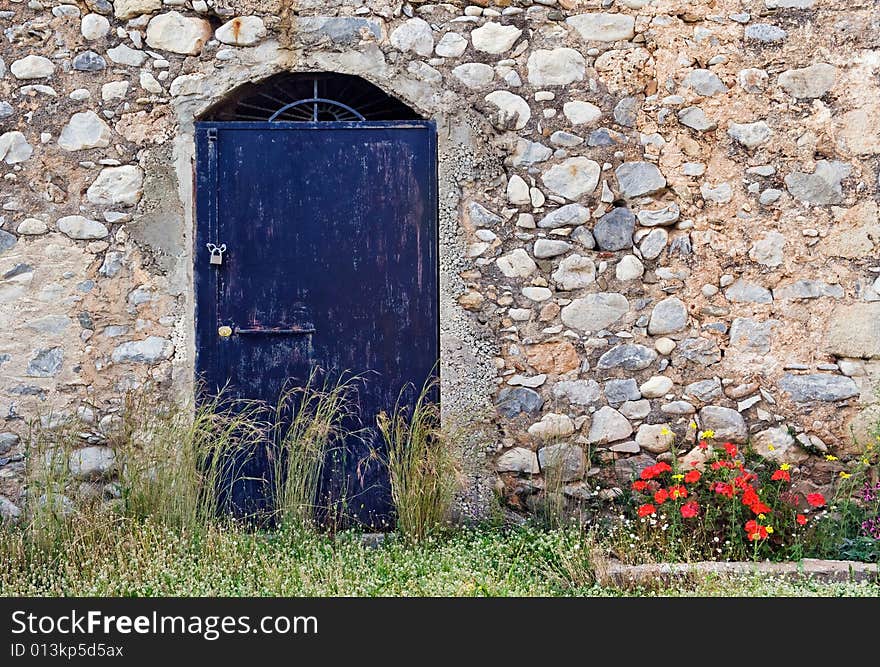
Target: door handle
(290,330)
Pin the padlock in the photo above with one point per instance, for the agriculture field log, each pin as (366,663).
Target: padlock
(216,253)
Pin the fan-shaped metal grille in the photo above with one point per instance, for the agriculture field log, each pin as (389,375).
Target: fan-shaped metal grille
(310,98)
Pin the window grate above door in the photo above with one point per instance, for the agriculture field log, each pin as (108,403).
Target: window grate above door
(310,97)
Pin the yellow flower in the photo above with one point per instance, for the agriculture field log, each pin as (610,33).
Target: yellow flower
(770,529)
(771,448)
(844,475)
(708,433)
(762,516)
(830,457)
(678,478)
(866,462)
(665,431)
(692,425)
(785,466)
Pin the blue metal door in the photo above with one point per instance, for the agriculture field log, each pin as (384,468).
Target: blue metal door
(330,262)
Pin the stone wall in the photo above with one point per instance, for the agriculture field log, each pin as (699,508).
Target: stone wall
(652,213)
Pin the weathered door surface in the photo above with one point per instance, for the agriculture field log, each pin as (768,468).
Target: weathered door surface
(330,262)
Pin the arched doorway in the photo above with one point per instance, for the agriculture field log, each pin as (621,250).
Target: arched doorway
(316,250)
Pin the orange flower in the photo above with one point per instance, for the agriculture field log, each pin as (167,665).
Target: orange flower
(781,475)
(677,492)
(661,496)
(646,509)
(692,477)
(801,519)
(816,499)
(690,510)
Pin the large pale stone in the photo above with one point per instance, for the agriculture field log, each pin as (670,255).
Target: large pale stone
(570,215)
(578,392)
(727,424)
(563,461)
(32,67)
(551,426)
(474,75)
(817,387)
(668,316)
(178,33)
(414,35)
(602,27)
(575,272)
(595,311)
(80,228)
(854,331)
(608,425)
(516,264)
(809,82)
(518,459)
(581,113)
(513,111)
(639,178)
(557,67)
(14,148)
(546,248)
(655,438)
(769,250)
(92,463)
(127,9)
(148,351)
(777,445)
(705,82)
(94,26)
(125,55)
(495,38)
(822,186)
(750,135)
(451,45)
(84,130)
(242,31)
(117,185)
(573,178)
(656,386)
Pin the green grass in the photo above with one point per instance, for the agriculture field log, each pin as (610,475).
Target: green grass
(126,557)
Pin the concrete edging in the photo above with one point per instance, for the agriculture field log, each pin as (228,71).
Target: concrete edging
(615,573)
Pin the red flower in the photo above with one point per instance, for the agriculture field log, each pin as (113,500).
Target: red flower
(816,499)
(750,497)
(662,467)
(648,473)
(639,485)
(716,465)
(661,496)
(801,519)
(730,449)
(724,489)
(756,531)
(781,475)
(646,509)
(677,492)
(703,445)
(690,510)
(760,508)
(692,477)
